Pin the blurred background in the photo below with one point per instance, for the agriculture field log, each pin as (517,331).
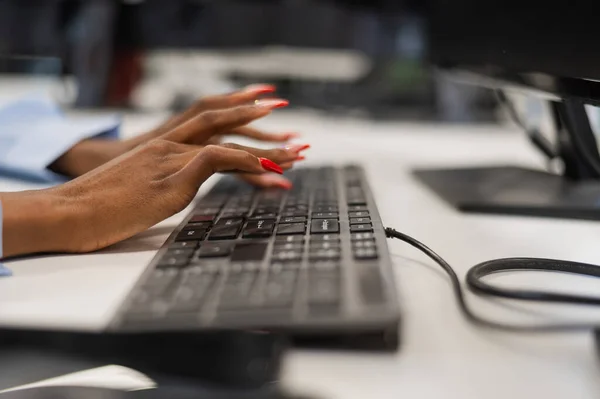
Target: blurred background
(361,57)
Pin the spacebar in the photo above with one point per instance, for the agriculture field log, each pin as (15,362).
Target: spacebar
(248,252)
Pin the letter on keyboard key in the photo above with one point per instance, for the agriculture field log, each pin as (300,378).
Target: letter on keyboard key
(360,228)
(215,249)
(226,229)
(324,215)
(291,228)
(191,235)
(289,239)
(359,214)
(324,226)
(174,261)
(184,244)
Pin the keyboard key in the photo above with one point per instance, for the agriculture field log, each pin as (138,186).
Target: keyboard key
(248,252)
(325,208)
(234,214)
(360,228)
(279,290)
(324,215)
(286,255)
(180,252)
(293,219)
(364,244)
(191,235)
(360,220)
(184,244)
(174,261)
(278,266)
(355,208)
(292,246)
(202,218)
(356,201)
(260,216)
(215,249)
(325,265)
(325,254)
(236,291)
(226,229)
(266,210)
(323,288)
(325,237)
(324,226)
(291,228)
(295,214)
(191,294)
(371,285)
(197,226)
(358,214)
(289,239)
(317,245)
(362,236)
(365,253)
(259,228)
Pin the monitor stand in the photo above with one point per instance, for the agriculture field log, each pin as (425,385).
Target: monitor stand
(513,190)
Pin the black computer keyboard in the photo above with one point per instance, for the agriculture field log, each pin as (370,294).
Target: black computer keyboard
(310,260)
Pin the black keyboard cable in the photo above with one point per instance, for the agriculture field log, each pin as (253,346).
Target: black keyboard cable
(475,282)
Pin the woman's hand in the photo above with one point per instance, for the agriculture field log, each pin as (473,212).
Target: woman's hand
(128,194)
(189,127)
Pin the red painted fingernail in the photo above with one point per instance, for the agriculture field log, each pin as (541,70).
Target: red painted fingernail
(271,103)
(301,158)
(260,89)
(271,166)
(297,147)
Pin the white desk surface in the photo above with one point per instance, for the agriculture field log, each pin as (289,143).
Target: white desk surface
(442,356)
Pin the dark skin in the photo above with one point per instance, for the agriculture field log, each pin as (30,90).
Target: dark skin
(125,187)
(89,154)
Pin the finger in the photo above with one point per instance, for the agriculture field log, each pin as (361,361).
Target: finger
(259,135)
(277,155)
(245,96)
(200,128)
(214,159)
(267,181)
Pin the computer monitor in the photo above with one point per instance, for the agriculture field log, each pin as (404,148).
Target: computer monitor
(547,50)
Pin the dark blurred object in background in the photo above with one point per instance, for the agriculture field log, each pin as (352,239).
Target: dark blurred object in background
(105,45)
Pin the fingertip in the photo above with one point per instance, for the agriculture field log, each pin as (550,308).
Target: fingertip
(260,88)
(274,181)
(271,103)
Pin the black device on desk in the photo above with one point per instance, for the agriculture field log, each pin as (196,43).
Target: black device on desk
(546,50)
(311,263)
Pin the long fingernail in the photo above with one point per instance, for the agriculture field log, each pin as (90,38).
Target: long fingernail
(301,158)
(297,147)
(271,166)
(271,103)
(260,89)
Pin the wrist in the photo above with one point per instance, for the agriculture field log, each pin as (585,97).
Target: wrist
(88,155)
(37,222)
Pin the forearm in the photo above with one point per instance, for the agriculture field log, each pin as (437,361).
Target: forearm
(35,221)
